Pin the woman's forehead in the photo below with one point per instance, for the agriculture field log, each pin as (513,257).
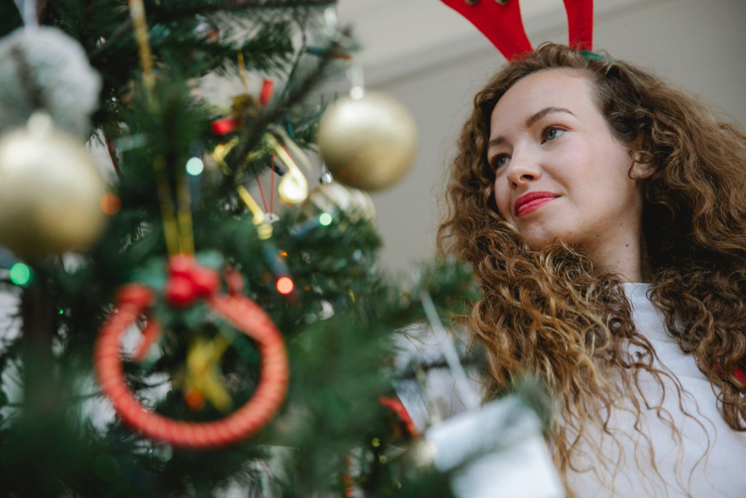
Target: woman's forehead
(555,88)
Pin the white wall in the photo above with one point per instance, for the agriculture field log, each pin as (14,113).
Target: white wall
(696,44)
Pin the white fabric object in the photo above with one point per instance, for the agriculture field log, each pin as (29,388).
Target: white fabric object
(505,451)
(69,87)
(502,443)
(524,471)
(721,474)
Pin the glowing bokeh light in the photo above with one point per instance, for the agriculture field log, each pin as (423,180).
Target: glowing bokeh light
(110,204)
(20,274)
(357,93)
(325,219)
(285,285)
(195,166)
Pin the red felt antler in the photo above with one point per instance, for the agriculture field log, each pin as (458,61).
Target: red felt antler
(500,21)
(501,24)
(580,23)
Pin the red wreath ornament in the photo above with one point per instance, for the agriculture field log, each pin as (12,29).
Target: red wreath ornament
(188,282)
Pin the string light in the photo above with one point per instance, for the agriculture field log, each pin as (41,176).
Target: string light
(325,219)
(285,285)
(20,274)
(195,166)
(357,93)
(110,204)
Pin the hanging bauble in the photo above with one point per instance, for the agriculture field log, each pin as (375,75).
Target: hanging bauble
(368,143)
(198,282)
(50,191)
(43,68)
(332,197)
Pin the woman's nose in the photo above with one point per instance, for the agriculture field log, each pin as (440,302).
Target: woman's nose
(523,168)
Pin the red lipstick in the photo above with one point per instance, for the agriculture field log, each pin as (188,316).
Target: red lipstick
(532,201)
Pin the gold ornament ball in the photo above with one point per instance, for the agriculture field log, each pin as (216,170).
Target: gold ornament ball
(368,143)
(330,197)
(50,192)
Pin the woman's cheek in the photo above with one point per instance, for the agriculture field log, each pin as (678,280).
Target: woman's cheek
(502,199)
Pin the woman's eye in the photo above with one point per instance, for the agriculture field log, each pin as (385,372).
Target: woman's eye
(499,161)
(552,133)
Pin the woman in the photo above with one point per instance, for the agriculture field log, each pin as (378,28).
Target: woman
(604,213)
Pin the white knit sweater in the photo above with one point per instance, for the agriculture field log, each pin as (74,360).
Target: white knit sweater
(722,473)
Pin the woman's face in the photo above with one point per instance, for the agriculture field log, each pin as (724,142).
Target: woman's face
(560,173)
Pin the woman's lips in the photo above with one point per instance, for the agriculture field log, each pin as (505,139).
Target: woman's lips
(533,205)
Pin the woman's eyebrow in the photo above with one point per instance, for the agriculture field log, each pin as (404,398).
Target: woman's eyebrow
(547,110)
(530,121)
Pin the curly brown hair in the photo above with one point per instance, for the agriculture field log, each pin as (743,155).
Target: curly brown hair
(548,312)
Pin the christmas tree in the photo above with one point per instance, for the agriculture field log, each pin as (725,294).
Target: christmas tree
(169,336)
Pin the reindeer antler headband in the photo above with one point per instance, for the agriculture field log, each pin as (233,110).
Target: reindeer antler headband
(500,21)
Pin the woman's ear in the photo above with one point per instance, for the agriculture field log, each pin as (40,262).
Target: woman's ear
(642,170)
(643,165)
